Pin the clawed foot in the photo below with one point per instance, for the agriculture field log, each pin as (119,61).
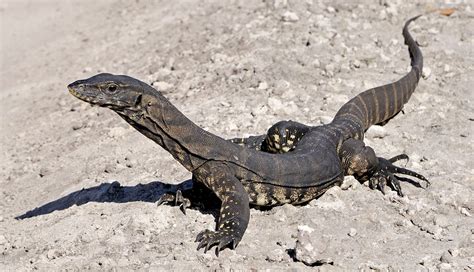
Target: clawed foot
(385,174)
(177,198)
(208,238)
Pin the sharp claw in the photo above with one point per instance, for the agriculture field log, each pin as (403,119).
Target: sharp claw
(372,183)
(182,208)
(223,243)
(199,237)
(404,171)
(396,184)
(399,157)
(201,245)
(381,186)
(178,198)
(163,199)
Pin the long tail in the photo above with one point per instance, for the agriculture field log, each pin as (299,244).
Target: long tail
(379,104)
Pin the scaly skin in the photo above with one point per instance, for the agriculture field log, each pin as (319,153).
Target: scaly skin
(293,163)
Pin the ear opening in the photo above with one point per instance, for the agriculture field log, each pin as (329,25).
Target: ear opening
(138,100)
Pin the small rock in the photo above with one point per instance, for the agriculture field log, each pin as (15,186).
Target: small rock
(349,182)
(52,254)
(425,260)
(356,64)
(410,211)
(110,168)
(316,63)
(1,218)
(305,228)
(377,132)
(3,240)
(331,9)
(444,266)
(43,171)
(76,125)
(259,110)
(447,68)
(352,232)
(446,258)
(87,70)
(325,120)
(162,85)
(403,223)
(426,72)
(276,255)
(289,16)
(307,253)
(454,252)
(465,212)
(263,85)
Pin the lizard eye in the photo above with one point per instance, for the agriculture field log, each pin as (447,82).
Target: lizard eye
(112,88)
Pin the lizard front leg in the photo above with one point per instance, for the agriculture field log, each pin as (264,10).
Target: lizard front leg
(361,162)
(235,211)
(252,142)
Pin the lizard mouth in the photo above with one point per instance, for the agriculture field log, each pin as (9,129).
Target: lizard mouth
(82,97)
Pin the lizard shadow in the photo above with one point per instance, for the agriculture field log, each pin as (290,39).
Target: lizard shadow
(115,193)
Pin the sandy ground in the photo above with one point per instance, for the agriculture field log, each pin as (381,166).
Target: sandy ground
(235,68)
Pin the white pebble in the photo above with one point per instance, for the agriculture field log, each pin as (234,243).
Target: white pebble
(426,72)
(305,228)
(263,85)
(447,68)
(289,16)
(331,9)
(377,132)
(3,240)
(465,212)
(352,232)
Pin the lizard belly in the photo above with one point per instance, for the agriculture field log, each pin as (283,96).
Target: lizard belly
(263,194)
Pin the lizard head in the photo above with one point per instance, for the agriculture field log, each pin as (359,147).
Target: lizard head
(117,92)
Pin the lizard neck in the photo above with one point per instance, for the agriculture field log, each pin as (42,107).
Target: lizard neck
(156,118)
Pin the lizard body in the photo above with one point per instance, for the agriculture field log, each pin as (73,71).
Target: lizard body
(293,163)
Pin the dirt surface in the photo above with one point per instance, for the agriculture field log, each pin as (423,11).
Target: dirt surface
(234,68)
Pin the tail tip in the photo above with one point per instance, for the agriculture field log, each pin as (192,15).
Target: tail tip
(411,20)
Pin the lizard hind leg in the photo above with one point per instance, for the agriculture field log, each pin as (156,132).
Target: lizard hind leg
(361,162)
(283,136)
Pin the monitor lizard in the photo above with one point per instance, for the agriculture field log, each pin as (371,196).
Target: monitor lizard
(293,163)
